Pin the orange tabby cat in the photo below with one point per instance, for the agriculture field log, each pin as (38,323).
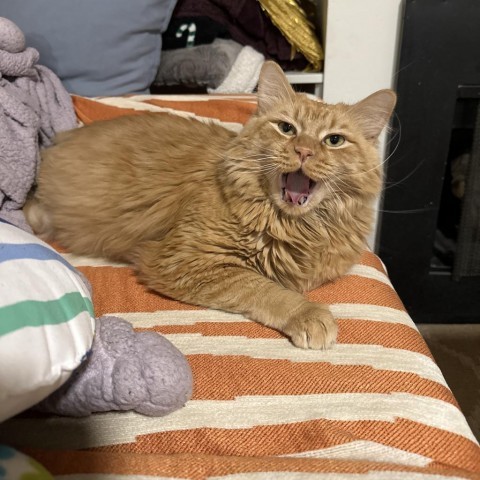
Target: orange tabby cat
(241,222)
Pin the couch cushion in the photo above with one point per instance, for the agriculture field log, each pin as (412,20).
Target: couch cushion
(95,47)
(374,406)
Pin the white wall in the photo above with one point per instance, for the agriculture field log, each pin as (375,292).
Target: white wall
(361,44)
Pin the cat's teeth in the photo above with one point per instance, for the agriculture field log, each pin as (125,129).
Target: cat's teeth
(302,199)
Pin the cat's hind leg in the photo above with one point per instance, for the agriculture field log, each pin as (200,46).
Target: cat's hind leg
(38,217)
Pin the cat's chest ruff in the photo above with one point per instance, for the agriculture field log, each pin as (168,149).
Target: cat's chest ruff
(292,264)
(295,252)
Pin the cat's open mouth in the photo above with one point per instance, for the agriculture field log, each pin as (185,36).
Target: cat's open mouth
(296,188)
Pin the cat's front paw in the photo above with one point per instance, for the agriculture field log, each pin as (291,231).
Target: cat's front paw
(312,326)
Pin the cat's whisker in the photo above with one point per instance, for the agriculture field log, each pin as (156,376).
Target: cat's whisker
(335,193)
(381,165)
(399,135)
(413,210)
(363,172)
(254,156)
(259,163)
(387,186)
(345,211)
(268,170)
(406,177)
(337,180)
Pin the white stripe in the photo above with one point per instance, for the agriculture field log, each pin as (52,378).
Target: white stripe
(12,234)
(367,451)
(242,413)
(352,311)
(28,280)
(373,313)
(35,361)
(250,411)
(249,98)
(179,317)
(369,272)
(376,356)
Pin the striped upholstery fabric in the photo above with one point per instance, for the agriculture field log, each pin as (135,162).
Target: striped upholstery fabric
(46,320)
(376,406)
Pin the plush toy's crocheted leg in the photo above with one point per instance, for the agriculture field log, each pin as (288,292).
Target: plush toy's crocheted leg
(125,370)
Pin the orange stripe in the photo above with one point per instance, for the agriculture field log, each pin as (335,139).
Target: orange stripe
(89,111)
(270,440)
(125,294)
(389,335)
(57,247)
(199,467)
(115,289)
(217,377)
(356,289)
(369,259)
(225,110)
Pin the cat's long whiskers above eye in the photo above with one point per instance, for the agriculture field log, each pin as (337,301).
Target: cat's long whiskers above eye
(382,164)
(409,174)
(266,167)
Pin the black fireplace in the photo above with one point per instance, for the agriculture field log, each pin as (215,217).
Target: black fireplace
(430,225)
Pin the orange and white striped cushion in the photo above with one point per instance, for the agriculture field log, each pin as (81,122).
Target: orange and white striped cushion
(376,406)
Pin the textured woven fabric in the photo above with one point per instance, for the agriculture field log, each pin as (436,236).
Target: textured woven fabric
(46,320)
(376,406)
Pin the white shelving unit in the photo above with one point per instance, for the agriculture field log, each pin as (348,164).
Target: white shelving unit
(360,39)
(303,78)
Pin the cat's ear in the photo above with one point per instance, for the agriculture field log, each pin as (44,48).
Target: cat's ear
(273,87)
(373,113)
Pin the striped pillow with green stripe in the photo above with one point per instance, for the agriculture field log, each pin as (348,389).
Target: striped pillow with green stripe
(46,320)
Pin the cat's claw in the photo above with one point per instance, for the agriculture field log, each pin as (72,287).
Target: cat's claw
(312,327)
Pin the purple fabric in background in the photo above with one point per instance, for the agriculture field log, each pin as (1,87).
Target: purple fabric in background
(34,106)
(247,24)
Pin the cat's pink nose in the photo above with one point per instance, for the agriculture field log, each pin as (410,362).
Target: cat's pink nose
(303,153)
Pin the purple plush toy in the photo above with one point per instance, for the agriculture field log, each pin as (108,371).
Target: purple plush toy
(125,371)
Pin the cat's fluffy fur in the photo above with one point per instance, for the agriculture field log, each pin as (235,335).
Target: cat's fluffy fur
(210,217)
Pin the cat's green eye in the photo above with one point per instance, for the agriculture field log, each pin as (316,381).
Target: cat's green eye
(334,140)
(287,128)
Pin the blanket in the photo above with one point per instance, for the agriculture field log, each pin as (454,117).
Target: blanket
(34,106)
(246,22)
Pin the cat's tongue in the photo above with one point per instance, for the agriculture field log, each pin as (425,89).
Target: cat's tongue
(297,188)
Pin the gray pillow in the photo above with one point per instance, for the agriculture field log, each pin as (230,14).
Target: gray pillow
(96,47)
